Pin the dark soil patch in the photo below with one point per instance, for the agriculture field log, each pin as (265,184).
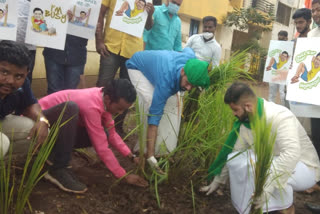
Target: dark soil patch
(106,195)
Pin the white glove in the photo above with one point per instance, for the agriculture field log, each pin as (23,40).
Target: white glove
(152,161)
(211,188)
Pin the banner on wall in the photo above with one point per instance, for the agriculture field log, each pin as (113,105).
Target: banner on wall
(303,82)
(47,23)
(278,61)
(8,19)
(130,17)
(85,14)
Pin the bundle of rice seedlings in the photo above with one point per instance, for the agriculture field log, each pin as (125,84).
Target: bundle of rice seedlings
(264,141)
(31,175)
(201,138)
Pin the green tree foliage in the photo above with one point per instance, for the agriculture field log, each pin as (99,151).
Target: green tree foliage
(246,18)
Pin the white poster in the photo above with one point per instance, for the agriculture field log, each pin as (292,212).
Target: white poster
(304,77)
(47,23)
(278,61)
(8,19)
(130,17)
(304,110)
(85,15)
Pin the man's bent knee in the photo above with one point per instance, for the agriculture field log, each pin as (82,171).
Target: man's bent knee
(4,144)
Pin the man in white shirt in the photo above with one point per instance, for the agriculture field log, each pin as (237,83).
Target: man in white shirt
(23,12)
(295,165)
(204,45)
(206,49)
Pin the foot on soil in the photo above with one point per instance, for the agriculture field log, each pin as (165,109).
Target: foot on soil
(315,188)
(65,180)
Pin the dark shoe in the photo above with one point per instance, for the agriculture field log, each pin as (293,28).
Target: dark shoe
(65,180)
(314,208)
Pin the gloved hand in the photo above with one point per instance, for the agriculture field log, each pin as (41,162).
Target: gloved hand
(211,188)
(152,161)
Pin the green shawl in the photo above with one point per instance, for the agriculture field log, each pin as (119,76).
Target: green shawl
(220,161)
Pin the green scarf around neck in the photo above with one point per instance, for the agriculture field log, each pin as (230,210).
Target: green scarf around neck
(220,161)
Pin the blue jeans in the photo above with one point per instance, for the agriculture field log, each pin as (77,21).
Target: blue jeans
(61,77)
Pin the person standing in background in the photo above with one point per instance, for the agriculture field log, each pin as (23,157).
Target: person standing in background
(115,48)
(165,33)
(23,13)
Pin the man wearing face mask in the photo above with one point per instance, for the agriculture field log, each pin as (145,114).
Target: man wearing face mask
(206,49)
(165,33)
(204,45)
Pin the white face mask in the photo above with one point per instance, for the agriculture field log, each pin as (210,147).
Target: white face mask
(173,8)
(207,35)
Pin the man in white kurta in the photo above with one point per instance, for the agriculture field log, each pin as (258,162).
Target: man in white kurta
(205,45)
(295,165)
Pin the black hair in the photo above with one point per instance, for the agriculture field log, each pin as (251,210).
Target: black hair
(318,54)
(120,88)
(236,91)
(305,13)
(83,12)
(283,33)
(14,53)
(1,10)
(37,9)
(143,1)
(210,19)
(315,1)
(285,52)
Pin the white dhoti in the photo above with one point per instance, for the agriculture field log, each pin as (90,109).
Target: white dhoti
(168,129)
(242,183)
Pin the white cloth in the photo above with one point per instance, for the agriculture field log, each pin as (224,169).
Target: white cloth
(242,183)
(169,126)
(209,51)
(273,91)
(23,12)
(314,32)
(291,146)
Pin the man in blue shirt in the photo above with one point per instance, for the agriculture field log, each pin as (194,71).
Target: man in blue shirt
(165,33)
(21,117)
(157,76)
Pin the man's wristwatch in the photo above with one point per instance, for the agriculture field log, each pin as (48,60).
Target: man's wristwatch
(45,120)
(133,157)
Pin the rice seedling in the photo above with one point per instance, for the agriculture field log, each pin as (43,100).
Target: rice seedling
(31,172)
(193,198)
(263,145)
(140,127)
(6,188)
(201,138)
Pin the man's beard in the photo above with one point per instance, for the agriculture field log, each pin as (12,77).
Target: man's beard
(304,30)
(244,117)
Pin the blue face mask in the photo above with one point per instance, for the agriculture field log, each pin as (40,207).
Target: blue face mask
(173,8)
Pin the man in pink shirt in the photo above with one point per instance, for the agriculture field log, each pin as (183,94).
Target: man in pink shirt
(95,128)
